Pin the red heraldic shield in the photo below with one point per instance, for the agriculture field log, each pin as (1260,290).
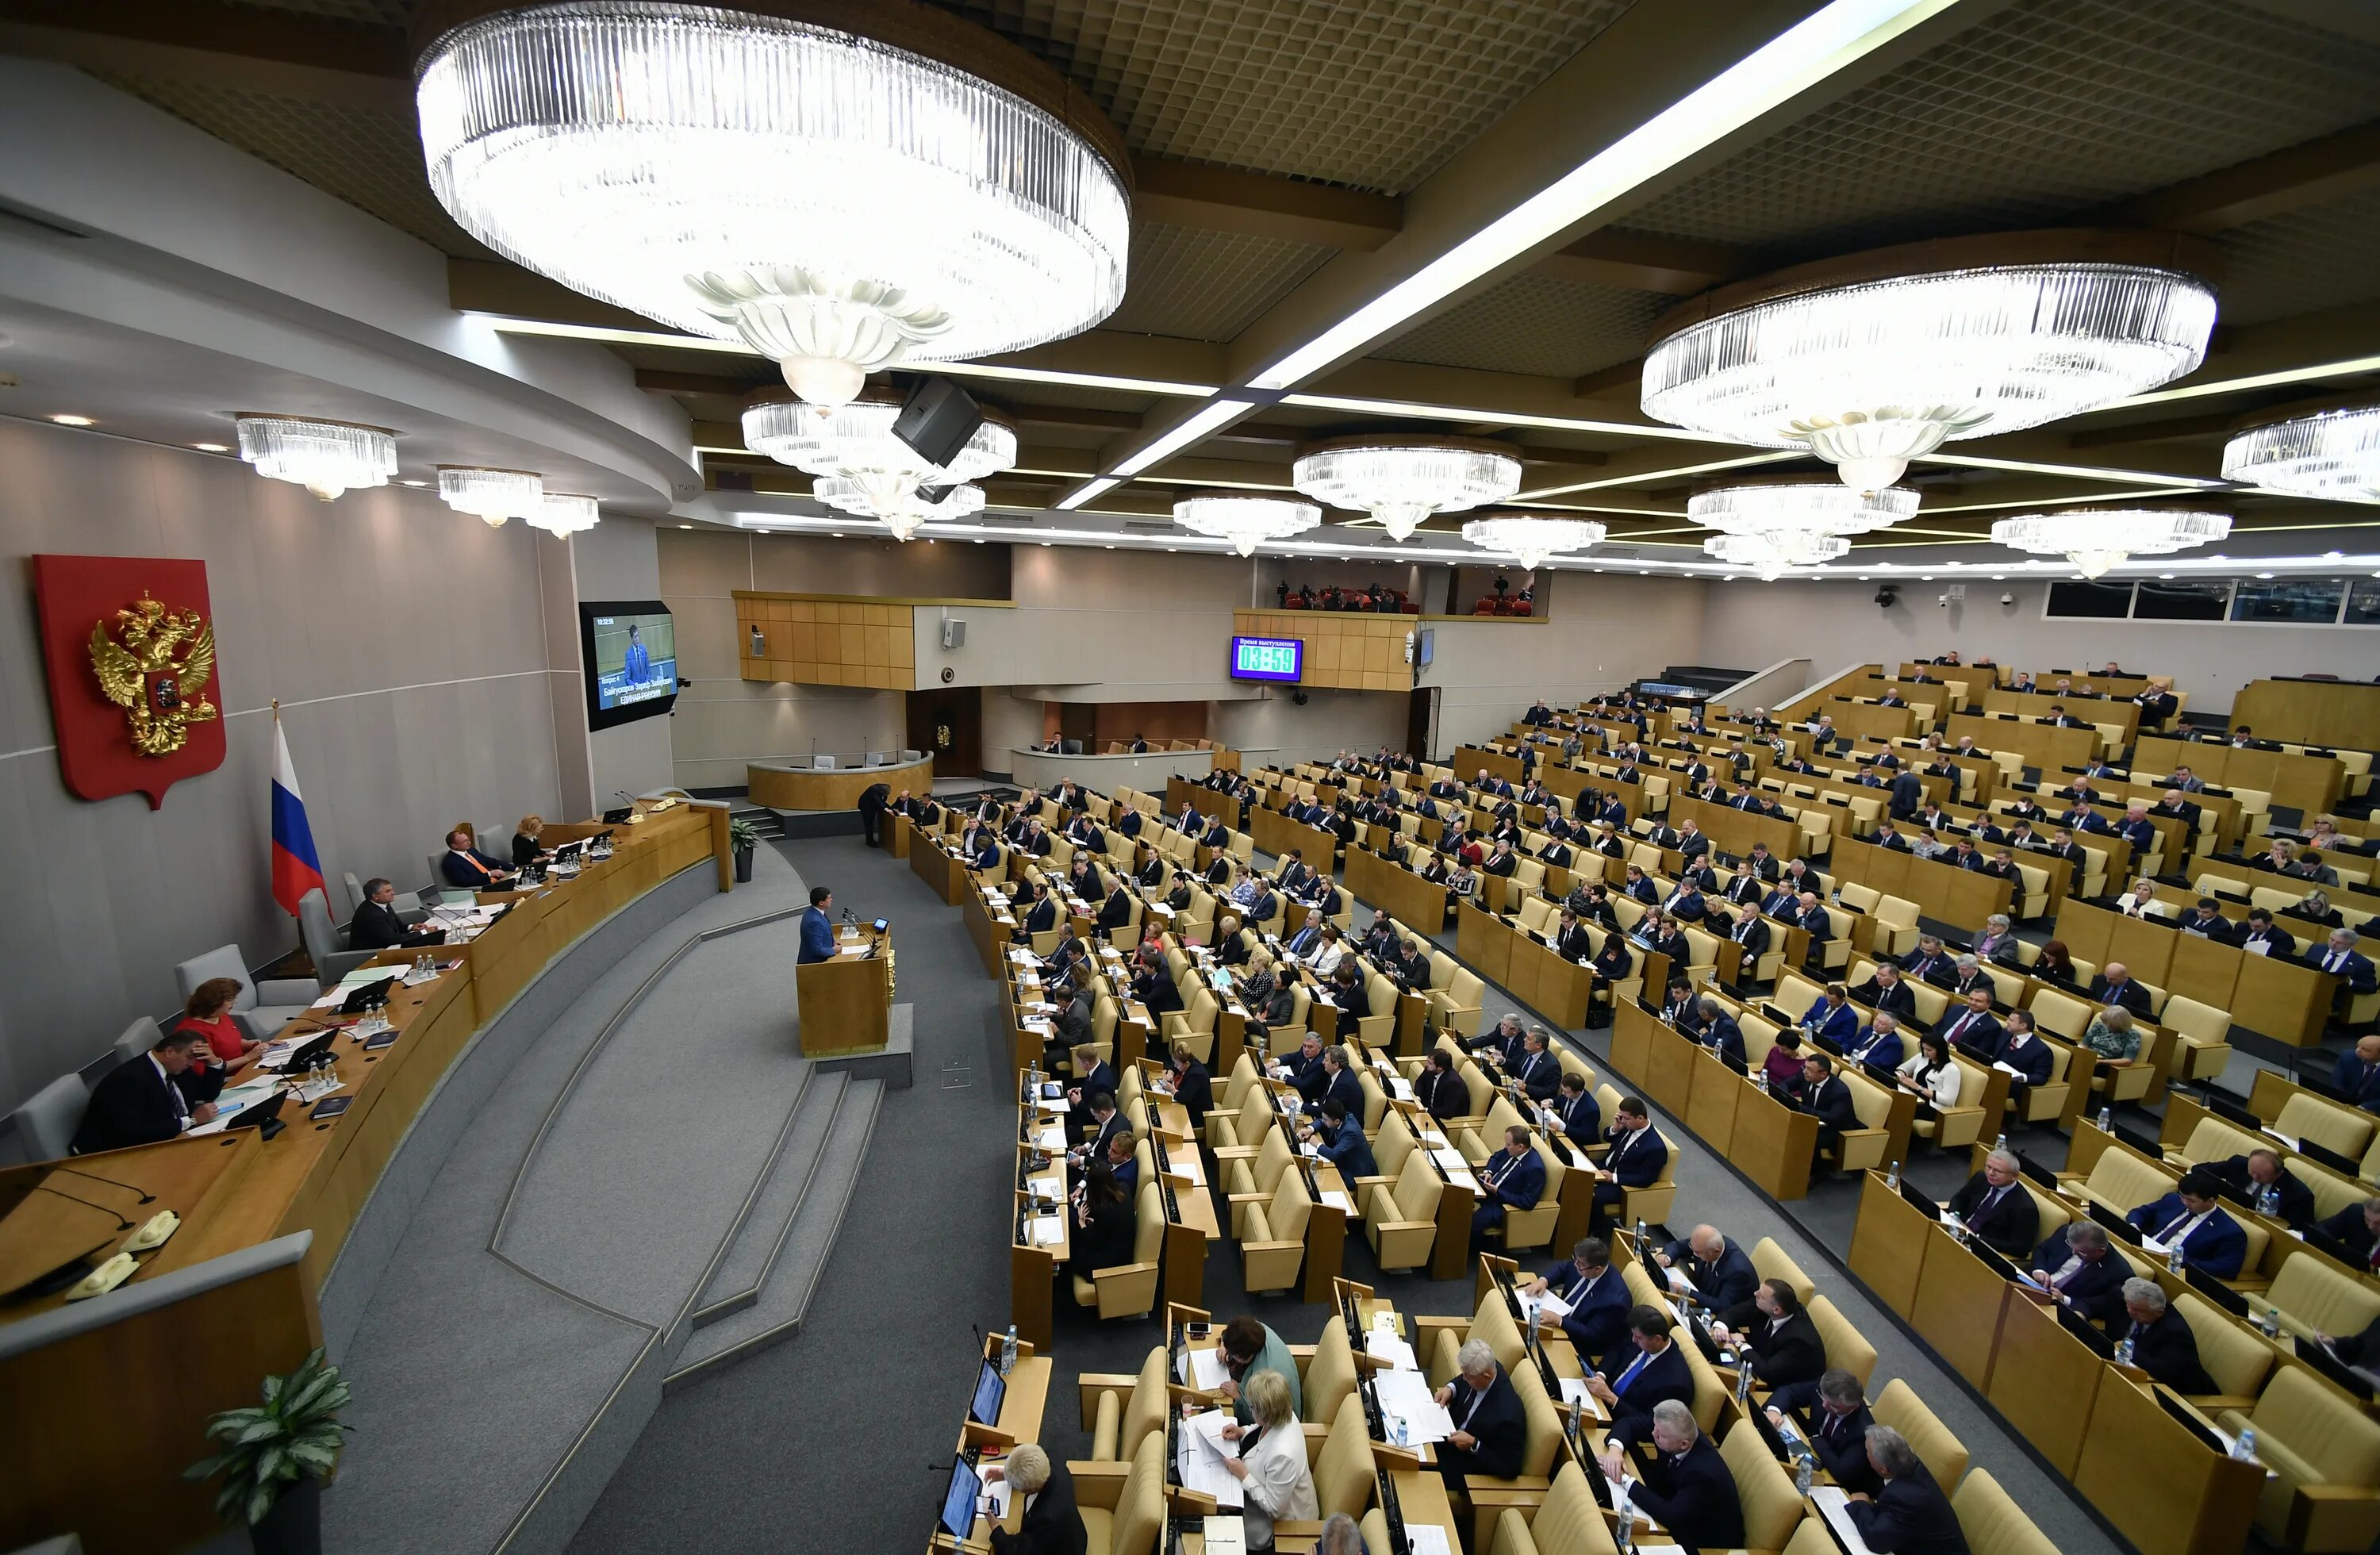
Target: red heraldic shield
(129,645)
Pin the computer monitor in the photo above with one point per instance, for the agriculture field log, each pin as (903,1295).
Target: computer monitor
(958,1501)
(991,1389)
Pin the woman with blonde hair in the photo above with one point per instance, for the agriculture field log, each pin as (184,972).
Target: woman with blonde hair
(524,849)
(1271,1468)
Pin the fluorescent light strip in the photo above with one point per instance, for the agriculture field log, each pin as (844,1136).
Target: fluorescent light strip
(2346,369)
(1088,489)
(1790,63)
(509,324)
(1744,462)
(1207,418)
(1422,410)
(2091,499)
(2072,472)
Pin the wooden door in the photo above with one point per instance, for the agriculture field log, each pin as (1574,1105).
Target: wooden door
(948,726)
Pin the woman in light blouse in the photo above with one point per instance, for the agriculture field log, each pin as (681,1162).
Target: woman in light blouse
(2112,1035)
(1932,1073)
(1275,1482)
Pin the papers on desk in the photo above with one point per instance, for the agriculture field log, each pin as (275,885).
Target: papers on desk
(1054,1106)
(1831,1500)
(1388,1348)
(1407,1396)
(1427,1539)
(2258,947)
(1023,958)
(1047,1231)
(1203,1369)
(1225,1536)
(1399,1086)
(1677,1278)
(2008,1068)
(996,1498)
(1049,1185)
(1040,1028)
(1338,1200)
(1546,1302)
(1201,1454)
(1574,1391)
(1450,1159)
(1051,1139)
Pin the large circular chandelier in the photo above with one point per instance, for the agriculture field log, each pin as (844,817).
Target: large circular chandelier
(2095,538)
(856,442)
(1799,504)
(326,457)
(1402,479)
(1874,360)
(1774,553)
(2332,452)
(1245,518)
(1529,540)
(905,517)
(560,513)
(494,495)
(839,203)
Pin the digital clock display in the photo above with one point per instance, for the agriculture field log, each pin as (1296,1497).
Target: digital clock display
(1280,659)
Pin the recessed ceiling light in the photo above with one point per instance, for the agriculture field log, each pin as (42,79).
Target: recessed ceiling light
(2263,576)
(212,448)
(67,421)
(1863,577)
(837,535)
(1927,578)
(413,482)
(1999,577)
(2164,577)
(1111,547)
(2334,555)
(685,525)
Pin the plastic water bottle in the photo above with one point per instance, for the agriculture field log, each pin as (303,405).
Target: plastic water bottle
(1008,1351)
(1805,1473)
(2000,1143)
(2107,1120)
(1627,1538)
(1640,1233)
(1397,1431)
(2244,1447)
(1892,1176)
(2173,1259)
(2124,1351)
(1743,1380)
(2271,1321)
(1760,1082)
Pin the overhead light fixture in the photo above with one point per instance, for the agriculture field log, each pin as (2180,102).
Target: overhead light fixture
(1403,478)
(1245,519)
(838,203)
(2332,452)
(212,448)
(494,495)
(2095,538)
(326,457)
(562,514)
(66,419)
(1871,362)
(1799,504)
(905,517)
(1773,555)
(856,442)
(1531,541)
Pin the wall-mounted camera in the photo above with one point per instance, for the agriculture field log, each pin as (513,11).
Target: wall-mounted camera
(2008,599)
(1888,596)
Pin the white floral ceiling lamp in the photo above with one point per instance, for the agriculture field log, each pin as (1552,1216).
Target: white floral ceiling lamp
(494,495)
(837,202)
(2328,451)
(1402,479)
(904,519)
(2095,538)
(1245,518)
(1532,541)
(326,457)
(1799,504)
(560,513)
(855,441)
(1871,362)
(1772,554)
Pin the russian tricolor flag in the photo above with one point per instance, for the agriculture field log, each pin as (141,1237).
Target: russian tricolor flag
(296,869)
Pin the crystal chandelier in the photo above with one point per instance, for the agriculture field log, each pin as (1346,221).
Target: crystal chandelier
(837,203)
(1774,553)
(1243,519)
(2095,538)
(2333,453)
(560,513)
(1868,366)
(491,494)
(1810,506)
(905,517)
(1402,480)
(1528,540)
(854,441)
(326,457)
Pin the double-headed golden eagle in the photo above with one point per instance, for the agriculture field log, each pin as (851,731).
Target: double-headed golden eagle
(162,699)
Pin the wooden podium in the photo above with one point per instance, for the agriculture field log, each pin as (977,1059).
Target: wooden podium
(846,1003)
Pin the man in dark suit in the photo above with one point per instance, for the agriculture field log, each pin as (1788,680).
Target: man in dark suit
(1886,993)
(1596,1295)
(1538,1070)
(1441,1092)
(1636,1159)
(2340,958)
(1995,1207)
(1116,911)
(1719,1031)
(466,869)
(1338,1083)
(1489,1427)
(2193,1221)
(1971,1025)
(1687,1487)
(2207,922)
(2164,1344)
(1716,1272)
(2357,1230)
(1838,1421)
(1908,792)
(2115,985)
(150,1098)
(2080,1268)
(1879,1042)
(1777,1339)
(1826,1097)
(2269,1189)
(1514,1178)
(1910,1515)
(2357,1075)
(1051,1525)
(376,925)
(1651,1369)
(1574,1113)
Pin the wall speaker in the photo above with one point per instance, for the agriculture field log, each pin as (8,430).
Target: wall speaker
(953,632)
(937,420)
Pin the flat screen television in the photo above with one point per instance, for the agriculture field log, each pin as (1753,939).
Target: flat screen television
(628,650)
(1425,647)
(1280,660)
(957,1518)
(990,1389)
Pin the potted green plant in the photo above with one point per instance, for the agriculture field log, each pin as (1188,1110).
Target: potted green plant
(276,1457)
(742,838)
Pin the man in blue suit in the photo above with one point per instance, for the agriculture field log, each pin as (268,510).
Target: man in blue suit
(2191,1220)
(1719,1031)
(1637,1156)
(1879,1043)
(2024,1051)
(636,665)
(1514,1178)
(2341,958)
(1339,1134)
(2077,1264)
(1687,1487)
(1490,1427)
(1574,1114)
(1338,1084)
(1654,1371)
(1596,1295)
(1538,1070)
(1972,1024)
(2358,1074)
(1719,1272)
(817,929)
(1832,1016)
(1910,1515)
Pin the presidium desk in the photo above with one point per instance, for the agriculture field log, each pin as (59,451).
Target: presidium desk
(111,1394)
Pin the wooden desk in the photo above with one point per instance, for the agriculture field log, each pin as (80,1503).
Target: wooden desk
(1889,1242)
(2310,783)
(1957,1304)
(1865,720)
(1773,1144)
(1276,834)
(2323,712)
(2040,744)
(1734,830)
(2044,1381)
(778,787)
(1943,892)
(2163,1489)
(943,875)
(1402,894)
(846,1004)
(2090,710)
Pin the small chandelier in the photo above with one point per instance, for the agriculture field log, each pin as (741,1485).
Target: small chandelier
(1873,361)
(1530,541)
(1245,518)
(1799,504)
(2332,452)
(2095,538)
(904,518)
(856,442)
(1774,553)
(1402,479)
(494,495)
(562,514)
(326,457)
(837,202)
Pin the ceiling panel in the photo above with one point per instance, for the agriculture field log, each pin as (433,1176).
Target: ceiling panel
(375,12)
(1207,285)
(1536,325)
(2302,263)
(1373,95)
(2050,109)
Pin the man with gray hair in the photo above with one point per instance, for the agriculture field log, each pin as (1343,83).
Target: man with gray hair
(2075,1266)
(1910,1515)
(1050,1525)
(1490,1428)
(1687,1487)
(1997,942)
(1340,1537)
(2164,1344)
(1839,1422)
(1996,1209)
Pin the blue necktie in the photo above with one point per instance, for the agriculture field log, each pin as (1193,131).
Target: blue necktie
(1630,1375)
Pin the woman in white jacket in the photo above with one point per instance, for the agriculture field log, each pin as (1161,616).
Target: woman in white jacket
(1931,1072)
(1272,1467)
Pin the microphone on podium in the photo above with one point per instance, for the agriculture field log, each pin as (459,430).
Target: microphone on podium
(129,1187)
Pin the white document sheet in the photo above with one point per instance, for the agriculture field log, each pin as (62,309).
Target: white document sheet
(1408,1396)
